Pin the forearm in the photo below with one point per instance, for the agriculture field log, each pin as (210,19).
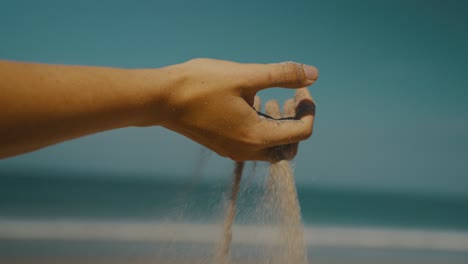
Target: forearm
(44,104)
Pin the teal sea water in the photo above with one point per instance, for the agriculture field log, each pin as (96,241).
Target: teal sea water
(36,194)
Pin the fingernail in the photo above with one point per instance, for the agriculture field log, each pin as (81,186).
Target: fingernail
(311,72)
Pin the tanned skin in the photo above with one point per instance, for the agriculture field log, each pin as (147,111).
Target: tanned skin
(209,101)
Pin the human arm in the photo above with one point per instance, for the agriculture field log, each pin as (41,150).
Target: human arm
(206,100)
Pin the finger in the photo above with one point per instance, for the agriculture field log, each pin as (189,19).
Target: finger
(289,108)
(257,103)
(272,109)
(286,74)
(305,104)
(276,132)
(272,132)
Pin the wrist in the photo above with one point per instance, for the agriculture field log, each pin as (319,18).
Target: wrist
(153,89)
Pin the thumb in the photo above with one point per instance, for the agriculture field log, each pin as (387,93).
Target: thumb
(285,74)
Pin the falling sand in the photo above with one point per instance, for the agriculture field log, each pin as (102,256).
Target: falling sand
(223,251)
(282,196)
(280,204)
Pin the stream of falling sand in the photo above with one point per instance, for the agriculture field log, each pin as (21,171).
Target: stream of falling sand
(282,196)
(281,203)
(223,252)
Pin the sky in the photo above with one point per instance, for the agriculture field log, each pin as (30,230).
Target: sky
(391,97)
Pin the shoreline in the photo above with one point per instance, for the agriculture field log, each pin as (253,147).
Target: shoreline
(315,236)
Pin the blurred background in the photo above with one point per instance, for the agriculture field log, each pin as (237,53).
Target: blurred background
(389,151)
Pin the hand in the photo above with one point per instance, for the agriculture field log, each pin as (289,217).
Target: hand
(211,102)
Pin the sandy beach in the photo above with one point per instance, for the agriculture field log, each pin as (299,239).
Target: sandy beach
(85,242)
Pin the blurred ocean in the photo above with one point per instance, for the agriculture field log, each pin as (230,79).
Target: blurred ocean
(59,213)
(27,194)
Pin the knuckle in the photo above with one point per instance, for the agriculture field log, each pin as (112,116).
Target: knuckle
(292,73)
(248,83)
(271,78)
